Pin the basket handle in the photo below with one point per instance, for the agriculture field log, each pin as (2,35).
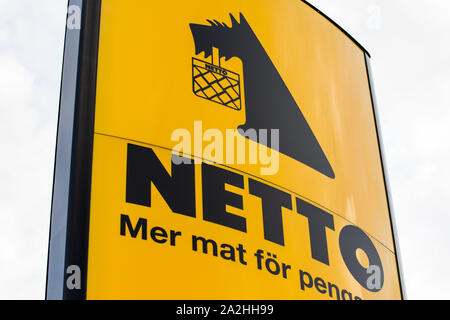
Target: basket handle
(212,57)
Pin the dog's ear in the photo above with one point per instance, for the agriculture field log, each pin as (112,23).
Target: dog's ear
(243,22)
(234,22)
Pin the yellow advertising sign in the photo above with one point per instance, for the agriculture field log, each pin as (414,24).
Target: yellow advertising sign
(235,156)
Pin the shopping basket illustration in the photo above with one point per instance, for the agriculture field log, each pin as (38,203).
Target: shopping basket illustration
(216,84)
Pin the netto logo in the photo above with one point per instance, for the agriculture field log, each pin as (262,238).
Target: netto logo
(268,102)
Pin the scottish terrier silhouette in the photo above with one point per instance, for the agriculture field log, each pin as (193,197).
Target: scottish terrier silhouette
(268,102)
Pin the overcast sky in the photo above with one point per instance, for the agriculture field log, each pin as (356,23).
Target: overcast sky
(410,48)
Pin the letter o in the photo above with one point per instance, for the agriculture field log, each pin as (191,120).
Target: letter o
(351,239)
(276,265)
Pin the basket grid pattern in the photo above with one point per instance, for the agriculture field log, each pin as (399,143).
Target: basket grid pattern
(217,87)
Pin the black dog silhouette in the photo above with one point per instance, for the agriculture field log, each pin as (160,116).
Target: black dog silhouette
(269,104)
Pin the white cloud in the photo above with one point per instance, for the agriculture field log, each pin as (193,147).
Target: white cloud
(31,44)
(411,64)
